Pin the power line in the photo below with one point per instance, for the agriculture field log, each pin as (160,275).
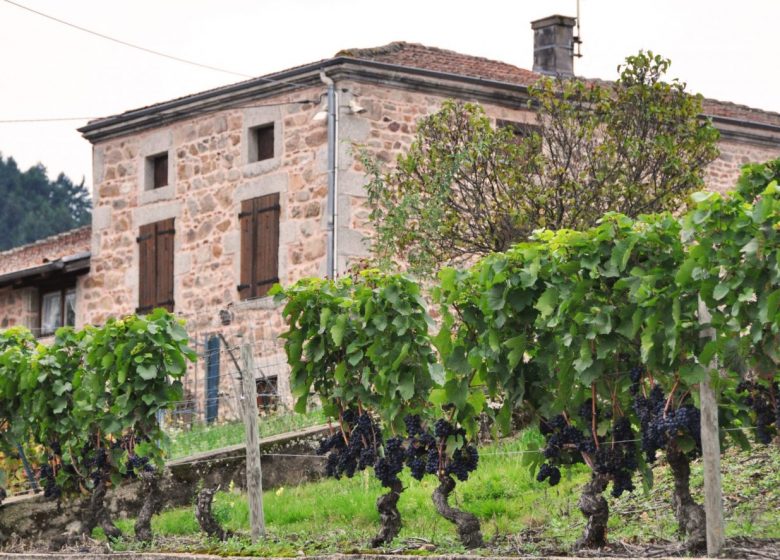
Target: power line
(45,120)
(295,85)
(155,52)
(127,44)
(172,113)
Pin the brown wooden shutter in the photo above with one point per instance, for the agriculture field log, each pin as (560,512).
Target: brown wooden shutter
(164,284)
(245,219)
(267,212)
(155,266)
(259,219)
(147,263)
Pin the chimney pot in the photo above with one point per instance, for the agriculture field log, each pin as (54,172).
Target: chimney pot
(554,45)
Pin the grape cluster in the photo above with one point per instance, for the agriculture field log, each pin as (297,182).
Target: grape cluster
(426,451)
(136,465)
(423,450)
(354,448)
(635,375)
(563,439)
(618,460)
(96,462)
(388,467)
(549,473)
(613,454)
(760,396)
(661,425)
(47,480)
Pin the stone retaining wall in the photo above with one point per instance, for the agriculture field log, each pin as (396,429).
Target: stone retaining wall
(288,460)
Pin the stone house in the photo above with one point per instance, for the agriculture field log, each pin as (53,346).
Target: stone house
(201,203)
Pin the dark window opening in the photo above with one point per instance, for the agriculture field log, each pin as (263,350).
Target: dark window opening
(262,142)
(518,129)
(57,309)
(267,393)
(259,221)
(159,166)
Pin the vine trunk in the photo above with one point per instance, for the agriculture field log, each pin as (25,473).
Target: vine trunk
(466,523)
(150,487)
(691,520)
(97,515)
(594,507)
(390,517)
(205,518)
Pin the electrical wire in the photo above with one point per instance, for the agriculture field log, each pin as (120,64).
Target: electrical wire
(125,43)
(175,113)
(45,120)
(151,51)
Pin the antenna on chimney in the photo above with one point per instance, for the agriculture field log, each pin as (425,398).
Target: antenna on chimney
(577,42)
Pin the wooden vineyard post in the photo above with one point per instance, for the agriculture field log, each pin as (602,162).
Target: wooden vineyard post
(254,472)
(710,448)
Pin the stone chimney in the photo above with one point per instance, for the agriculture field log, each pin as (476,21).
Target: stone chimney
(554,45)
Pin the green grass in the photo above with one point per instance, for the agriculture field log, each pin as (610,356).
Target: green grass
(518,515)
(202,437)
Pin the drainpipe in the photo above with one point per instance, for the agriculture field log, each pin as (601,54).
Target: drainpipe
(332,212)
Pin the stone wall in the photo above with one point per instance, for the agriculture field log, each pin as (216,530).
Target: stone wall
(722,174)
(209,177)
(45,250)
(210,174)
(287,460)
(18,307)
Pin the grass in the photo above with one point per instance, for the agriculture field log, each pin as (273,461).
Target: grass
(518,515)
(200,438)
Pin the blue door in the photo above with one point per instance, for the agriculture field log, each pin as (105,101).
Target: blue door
(212,379)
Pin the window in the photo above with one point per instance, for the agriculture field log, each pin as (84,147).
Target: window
(520,130)
(259,219)
(261,143)
(155,266)
(267,393)
(157,171)
(58,309)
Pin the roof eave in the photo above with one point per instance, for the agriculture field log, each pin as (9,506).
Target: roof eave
(73,264)
(344,67)
(308,75)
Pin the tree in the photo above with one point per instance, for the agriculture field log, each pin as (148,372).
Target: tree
(466,188)
(33,207)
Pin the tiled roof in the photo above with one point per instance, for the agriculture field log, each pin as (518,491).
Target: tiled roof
(415,55)
(404,55)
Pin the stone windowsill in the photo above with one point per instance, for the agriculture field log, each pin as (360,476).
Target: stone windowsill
(259,303)
(155,195)
(260,167)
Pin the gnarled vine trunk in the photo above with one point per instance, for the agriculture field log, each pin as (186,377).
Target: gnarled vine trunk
(691,520)
(205,518)
(150,488)
(97,515)
(594,507)
(466,523)
(390,517)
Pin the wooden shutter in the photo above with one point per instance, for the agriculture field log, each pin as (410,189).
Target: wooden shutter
(259,245)
(266,243)
(155,266)
(245,219)
(164,280)
(146,268)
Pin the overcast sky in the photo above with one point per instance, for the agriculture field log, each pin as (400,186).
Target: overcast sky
(724,49)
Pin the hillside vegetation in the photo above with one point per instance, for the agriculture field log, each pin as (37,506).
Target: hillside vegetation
(33,207)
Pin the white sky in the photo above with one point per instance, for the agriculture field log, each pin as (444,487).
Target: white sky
(724,49)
